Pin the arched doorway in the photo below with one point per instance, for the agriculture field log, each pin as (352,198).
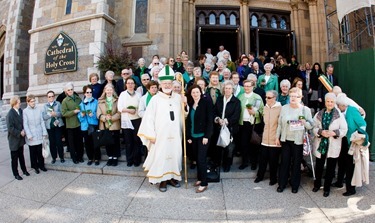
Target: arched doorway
(218,26)
(2,47)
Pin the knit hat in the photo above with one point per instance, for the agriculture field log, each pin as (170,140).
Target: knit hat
(166,73)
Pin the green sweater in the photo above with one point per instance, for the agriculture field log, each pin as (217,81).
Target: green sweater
(252,100)
(67,109)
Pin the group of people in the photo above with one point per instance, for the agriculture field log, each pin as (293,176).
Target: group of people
(148,109)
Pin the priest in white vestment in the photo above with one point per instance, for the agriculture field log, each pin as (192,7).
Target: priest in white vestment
(161,132)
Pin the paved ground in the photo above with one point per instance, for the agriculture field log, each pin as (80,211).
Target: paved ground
(76,193)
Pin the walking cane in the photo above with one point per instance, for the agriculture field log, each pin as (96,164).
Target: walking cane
(311,158)
(180,79)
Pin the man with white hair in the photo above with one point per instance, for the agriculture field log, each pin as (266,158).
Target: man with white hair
(221,52)
(161,132)
(338,92)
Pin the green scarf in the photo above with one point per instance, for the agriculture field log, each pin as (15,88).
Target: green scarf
(142,71)
(108,101)
(324,143)
(148,98)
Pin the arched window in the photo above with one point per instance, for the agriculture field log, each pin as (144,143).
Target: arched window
(202,19)
(273,23)
(283,23)
(212,19)
(254,21)
(264,21)
(222,19)
(68,8)
(232,20)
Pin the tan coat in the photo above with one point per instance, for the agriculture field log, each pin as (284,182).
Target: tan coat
(360,158)
(338,125)
(102,112)
(271,117)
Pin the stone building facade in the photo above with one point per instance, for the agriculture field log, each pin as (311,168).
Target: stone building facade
(145,28)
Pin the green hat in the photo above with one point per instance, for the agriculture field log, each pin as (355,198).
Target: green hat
(166,73)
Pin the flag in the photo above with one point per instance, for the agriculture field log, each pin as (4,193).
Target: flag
(345,7)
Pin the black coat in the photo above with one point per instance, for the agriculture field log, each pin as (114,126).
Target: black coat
(203,120)
(15,126)
(232,112)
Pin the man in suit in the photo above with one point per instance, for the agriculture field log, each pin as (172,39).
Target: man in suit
(322,91)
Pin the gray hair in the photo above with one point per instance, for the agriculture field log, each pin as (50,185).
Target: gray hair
(252,76)
(228,82)
(270,65)
(68,85)
(226,70)
(342,100)
(163,60)
(109,73)
(285,82)
(190,64)
(141,60)
(330,95)
(337,90)
(273,92)
(154,69)
(145,74)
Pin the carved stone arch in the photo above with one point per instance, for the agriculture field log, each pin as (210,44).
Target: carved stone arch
(2,39)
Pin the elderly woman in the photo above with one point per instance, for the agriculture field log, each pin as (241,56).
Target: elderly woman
(70,110)
(293,121)
(270,151)
(96,87)
(197,72)
(199,128)
(128,105)
(109,118)
(238,89)
(226,74)
(355,123)
(35,130)
(16,137)
(283,98)
(329,128)
(109,75)
(251,110)
(177,88)
(268,81)
(141,69)
(207,70)
(53,121)
(145,79)
(221,65)
(258,90)
(155,73)
(89,123)
(188,74)
(227,112)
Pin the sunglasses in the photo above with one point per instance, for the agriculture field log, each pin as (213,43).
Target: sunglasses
(146,79)
(269,97)
(88,92)
(156,63)
(125,73)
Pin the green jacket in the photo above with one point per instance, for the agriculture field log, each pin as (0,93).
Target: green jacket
(355,121)
(67,109)
(254,98)
(272,84)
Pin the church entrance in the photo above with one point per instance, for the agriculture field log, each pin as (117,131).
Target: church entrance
(213,38)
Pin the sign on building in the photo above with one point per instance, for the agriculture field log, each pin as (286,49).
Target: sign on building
(61,55)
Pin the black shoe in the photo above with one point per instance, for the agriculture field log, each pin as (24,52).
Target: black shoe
(253,167)
(137,164)
(163,186)
(97,162)
(315,189)
(44,169)
(337,184)
(109,162)
(173,183)
(193,165)
(257,180)
(243,166)
(18,177)
(114,162)
(280,189)
(37,171)
(325,193)
(294,191)
(89,163)
(53,161)
(226,168)
(348,193)
(26,173)
(81,160)
(272,182)
(62,161)
(129,164)
(75,162)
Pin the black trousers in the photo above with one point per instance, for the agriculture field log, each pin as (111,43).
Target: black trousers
(201,151)
(114,149)
(133,143)
(349,171)
(249,152)
(55,142)
(36,156)
(342,160)
(330,172)
(92,152)
(17,156)
(291,156)
(269,155)
(75,143)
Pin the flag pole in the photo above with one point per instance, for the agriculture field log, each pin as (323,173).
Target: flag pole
(180,79)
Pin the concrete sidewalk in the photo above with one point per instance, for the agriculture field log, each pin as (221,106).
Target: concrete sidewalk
(78,193)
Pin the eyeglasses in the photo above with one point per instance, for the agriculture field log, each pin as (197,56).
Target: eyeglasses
(178,58)
(51,96)
(156,63)
(88,92)
(269,97)
(70,90)
(126,73)
(147,79)
(294,96)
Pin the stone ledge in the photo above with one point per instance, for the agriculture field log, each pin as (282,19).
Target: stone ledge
(137,40)
(74,20)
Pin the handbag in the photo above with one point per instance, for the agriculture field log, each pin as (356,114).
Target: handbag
(224,137)
(45,148)
(102,138)
(213,173)
(255,138)
(306,144)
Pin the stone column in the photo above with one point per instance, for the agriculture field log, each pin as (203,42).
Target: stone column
(192,33)
(17,45)
(245,27)
(296,26)
(314,25)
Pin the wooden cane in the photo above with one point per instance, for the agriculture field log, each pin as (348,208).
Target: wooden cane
(180,79)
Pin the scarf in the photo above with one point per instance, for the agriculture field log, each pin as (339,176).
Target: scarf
(142,71)
(108,101)
(148,98)
(324,143)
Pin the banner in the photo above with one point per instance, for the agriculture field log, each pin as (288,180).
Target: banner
(345,7)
